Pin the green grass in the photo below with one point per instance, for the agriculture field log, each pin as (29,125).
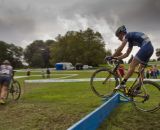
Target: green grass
(51,106)
(56,106)
(126,117)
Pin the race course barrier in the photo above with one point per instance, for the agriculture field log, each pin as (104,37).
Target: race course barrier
(93,120)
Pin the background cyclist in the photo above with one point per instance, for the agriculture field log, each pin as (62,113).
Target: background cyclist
(6,71)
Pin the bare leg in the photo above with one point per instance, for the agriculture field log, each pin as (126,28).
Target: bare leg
(140,69)
(4,91)
(131,69)
(141,75)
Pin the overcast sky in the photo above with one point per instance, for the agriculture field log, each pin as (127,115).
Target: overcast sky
(23,21)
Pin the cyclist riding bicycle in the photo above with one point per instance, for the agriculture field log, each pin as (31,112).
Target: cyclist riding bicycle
(133,39)
(6,72)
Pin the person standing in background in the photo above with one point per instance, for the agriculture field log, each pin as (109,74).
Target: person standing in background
(147,74)
(48,72)
(28,72)
(155,72)
(43,73)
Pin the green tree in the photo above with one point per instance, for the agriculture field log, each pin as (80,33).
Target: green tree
(85,47)
(37,54)
(3,51)
(12,53)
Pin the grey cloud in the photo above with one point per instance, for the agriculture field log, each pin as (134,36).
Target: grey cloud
(15,21)
(23,20)
(134,13)
(28,19)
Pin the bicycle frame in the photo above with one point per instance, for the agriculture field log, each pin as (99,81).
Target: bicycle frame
(139,78)
(137,91)
(115,70)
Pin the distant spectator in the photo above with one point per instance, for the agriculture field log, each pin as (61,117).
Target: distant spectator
(28,72)
(48,72)
(155,72)
(151,72)
(147,74)
(43,73)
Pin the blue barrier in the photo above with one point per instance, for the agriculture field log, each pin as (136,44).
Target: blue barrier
(93,120)
(123,98)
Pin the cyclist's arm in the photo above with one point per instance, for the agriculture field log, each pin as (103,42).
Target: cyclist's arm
(125,54)
(120,48)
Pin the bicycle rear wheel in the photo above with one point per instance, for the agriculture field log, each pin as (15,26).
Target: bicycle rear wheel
(15,90)
(103,82)
(148,100)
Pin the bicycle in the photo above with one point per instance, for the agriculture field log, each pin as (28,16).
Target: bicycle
(14,90)
(104,80)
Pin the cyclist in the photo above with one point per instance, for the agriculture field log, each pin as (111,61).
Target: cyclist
(6,71)
(133,39)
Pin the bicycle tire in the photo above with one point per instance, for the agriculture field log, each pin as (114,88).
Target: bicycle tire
(104,93)
(149,87)
(15,90)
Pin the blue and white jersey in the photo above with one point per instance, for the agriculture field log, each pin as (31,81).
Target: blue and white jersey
(136,39)
(6,70)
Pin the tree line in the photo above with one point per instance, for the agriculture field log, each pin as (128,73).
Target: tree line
(12,53)
(86,47)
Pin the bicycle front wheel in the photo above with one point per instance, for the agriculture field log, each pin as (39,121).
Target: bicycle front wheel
(103,82)
(15,90)
(148,100)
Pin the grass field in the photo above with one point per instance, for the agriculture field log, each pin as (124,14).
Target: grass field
(56,106)
(125,117)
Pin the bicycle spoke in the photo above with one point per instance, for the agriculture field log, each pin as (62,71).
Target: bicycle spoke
(103,83)
(148,100)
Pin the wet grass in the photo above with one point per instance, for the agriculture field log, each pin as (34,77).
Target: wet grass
(49,107)
(56,106)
